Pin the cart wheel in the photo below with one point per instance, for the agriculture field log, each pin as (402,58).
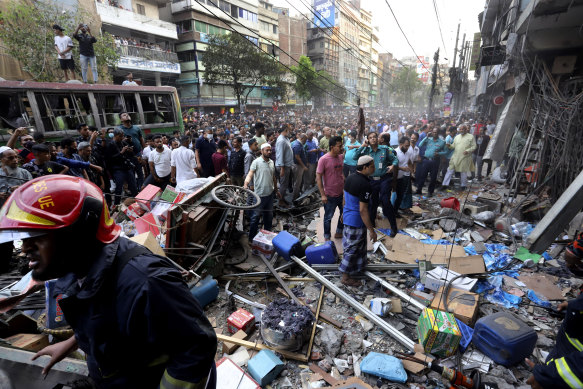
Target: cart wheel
(236,197)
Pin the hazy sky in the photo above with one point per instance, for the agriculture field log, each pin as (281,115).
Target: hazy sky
(418,20)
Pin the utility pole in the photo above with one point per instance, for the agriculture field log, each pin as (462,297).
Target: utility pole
(433,82)
(457,36)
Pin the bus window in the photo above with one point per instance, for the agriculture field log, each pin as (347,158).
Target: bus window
(149,107)
(131,107)
(84,110)
(61,111)
(12,110)
(165,108)
(110,105)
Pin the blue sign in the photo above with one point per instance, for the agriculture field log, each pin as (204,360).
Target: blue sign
(325,13)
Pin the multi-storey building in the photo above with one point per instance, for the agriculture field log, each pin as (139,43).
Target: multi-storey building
(386,63)
(268,28)
(144,42)
(365,70)
(194,23)
(292,37)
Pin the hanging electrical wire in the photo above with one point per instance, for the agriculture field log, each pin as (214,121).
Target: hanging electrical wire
(439,25)
(405,35)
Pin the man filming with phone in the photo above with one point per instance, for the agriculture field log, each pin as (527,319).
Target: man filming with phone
(87,54)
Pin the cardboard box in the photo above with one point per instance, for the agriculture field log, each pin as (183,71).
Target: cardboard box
(149,241)
(265,367)
(438,332)
(263,242)
(147,223)
(30,342)
(231,376)
(436,278)
(228,347)
(463,304)
(134,211)
(240,320)
(169,194)
(147,195)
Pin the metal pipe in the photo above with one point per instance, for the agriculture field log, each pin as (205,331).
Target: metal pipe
(262,273)
(380,266)
(401,338)
(404,296)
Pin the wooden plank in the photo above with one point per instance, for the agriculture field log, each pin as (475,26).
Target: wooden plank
(311,343)
(327,377)
(257,346)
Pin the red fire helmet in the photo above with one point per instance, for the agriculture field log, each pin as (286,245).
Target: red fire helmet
(54,202)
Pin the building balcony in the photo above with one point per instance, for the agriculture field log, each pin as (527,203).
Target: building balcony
(134,21)
(552,24)
(141,58)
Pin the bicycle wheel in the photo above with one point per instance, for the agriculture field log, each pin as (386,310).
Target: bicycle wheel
(236,197)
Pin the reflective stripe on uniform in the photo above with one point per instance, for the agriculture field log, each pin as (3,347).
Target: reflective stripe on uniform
(575,342)
(567,374)
(169,382)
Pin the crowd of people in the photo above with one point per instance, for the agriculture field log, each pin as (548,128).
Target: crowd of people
(121,41)
(278,155)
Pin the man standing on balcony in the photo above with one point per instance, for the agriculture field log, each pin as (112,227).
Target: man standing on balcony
(63,46)
(87,54)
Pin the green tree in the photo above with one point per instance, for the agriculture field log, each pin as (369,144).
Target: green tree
(26,32)
(405,86)
(312,84)
(307,84)
(279,86)
(233,60)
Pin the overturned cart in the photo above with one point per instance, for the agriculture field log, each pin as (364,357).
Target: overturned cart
(201,228)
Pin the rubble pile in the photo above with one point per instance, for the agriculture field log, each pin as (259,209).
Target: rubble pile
(437,284)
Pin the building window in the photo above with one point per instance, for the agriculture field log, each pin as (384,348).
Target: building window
(141,9)
(234,11)
(201,27)
(184,26)
(186,56)
(247,15)
(311,46)
(274,29)
(225,7)
(252,39)
(321,45)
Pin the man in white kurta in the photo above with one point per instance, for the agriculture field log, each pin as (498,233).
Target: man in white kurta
(461,161)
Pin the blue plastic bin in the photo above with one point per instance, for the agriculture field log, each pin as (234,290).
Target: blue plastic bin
(206,291)
(286,244)
(504,337)
(322,253)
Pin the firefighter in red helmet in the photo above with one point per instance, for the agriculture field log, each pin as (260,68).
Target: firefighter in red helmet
(131,312)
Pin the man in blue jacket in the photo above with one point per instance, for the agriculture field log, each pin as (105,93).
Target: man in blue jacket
(131,311)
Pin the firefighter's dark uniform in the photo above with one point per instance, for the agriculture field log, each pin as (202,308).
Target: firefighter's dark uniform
(564,365)
(138,323)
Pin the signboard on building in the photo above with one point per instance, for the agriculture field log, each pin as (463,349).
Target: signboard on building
(145,64)
(492,55)
(447,98)
(475,57)
(324,13)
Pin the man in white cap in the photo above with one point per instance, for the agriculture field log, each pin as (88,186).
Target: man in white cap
(357,192)
(262,174)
